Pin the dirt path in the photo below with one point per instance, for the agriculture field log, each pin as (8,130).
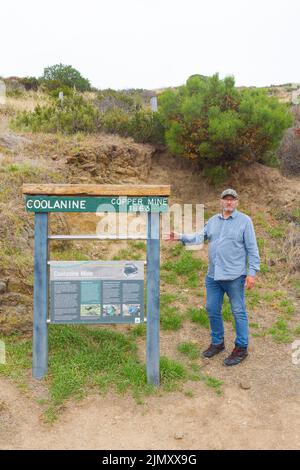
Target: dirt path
(266,415)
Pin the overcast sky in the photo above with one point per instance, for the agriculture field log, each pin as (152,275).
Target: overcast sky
(153,43)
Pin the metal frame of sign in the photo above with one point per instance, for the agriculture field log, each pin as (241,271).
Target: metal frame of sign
(41,258)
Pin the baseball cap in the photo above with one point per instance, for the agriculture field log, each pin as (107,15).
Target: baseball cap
(229,192)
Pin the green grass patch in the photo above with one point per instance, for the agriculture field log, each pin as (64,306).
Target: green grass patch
(170,319)
(190,350)
(264,268)
(138,330)
(192,281)
(169,278)
(69,254)
(185,265)
(226,310)
(198,315)
(287,307)
(167,298)
(252,298)
(83,358)
(254,325)
(172,372)
(276,232)
(137,245)
(22,169)
(280,331)
(127,254)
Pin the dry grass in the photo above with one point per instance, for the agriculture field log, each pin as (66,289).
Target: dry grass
(291,248)
(26,102)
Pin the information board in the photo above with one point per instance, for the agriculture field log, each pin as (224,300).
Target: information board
(96,291)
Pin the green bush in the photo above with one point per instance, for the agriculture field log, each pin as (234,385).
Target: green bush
(142,126)
(115,121)
(53,87)
(113,99)
(30,83)
(75,115)
(210,120)
(145,126)
(67,76)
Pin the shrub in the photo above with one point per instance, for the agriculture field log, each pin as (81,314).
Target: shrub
(30,83)
(142,126)
(66,75)
(76,115)
(145,126)
(210,120)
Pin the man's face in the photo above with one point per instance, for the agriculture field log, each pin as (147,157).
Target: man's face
(228,203)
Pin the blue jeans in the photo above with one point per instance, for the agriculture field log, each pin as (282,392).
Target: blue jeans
(235,290)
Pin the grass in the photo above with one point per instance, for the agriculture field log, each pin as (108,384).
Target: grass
(210,381)
(280,331)
(198,315)
(171,373)
(276,232)
(81,359)
(138,331)
(264,268)
(127,253)
(287,307)
(170,319)
(296,286)
(297,330)
(185,265)
(253,298)
(190,350)
(169,278)
(68,254)
(22,169)
(226,311)
(167,298)
(254,325)
(135,250)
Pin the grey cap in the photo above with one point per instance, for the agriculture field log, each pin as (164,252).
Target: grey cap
(229,192)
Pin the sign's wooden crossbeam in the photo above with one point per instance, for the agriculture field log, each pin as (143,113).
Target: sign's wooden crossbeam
(97,189)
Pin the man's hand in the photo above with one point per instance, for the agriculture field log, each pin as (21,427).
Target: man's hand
(250,281)
(172,236)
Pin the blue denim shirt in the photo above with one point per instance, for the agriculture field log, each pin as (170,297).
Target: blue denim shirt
(232,248)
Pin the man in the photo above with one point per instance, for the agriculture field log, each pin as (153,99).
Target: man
(232,243)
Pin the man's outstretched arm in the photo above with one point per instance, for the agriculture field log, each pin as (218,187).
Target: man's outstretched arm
(196,238)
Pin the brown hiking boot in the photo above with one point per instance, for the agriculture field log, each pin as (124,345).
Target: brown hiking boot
(213,350)
(237,356)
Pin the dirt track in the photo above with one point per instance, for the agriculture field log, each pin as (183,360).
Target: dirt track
(264,416)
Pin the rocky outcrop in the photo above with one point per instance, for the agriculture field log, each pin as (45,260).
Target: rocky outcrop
(109,160)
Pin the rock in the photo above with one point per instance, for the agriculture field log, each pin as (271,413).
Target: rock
(245,385)
(3,287)
(12,141)
(178,435)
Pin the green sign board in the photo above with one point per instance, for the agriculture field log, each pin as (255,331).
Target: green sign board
(96,204)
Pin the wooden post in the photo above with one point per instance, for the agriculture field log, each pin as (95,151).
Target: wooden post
(40,330)
(153,268)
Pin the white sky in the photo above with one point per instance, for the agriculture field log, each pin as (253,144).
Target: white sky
(153,43)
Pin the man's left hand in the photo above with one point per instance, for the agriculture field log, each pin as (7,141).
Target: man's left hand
(250,281)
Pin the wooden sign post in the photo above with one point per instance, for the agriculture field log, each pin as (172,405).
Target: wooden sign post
(43,199)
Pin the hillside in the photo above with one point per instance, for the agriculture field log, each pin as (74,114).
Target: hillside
(200,404)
